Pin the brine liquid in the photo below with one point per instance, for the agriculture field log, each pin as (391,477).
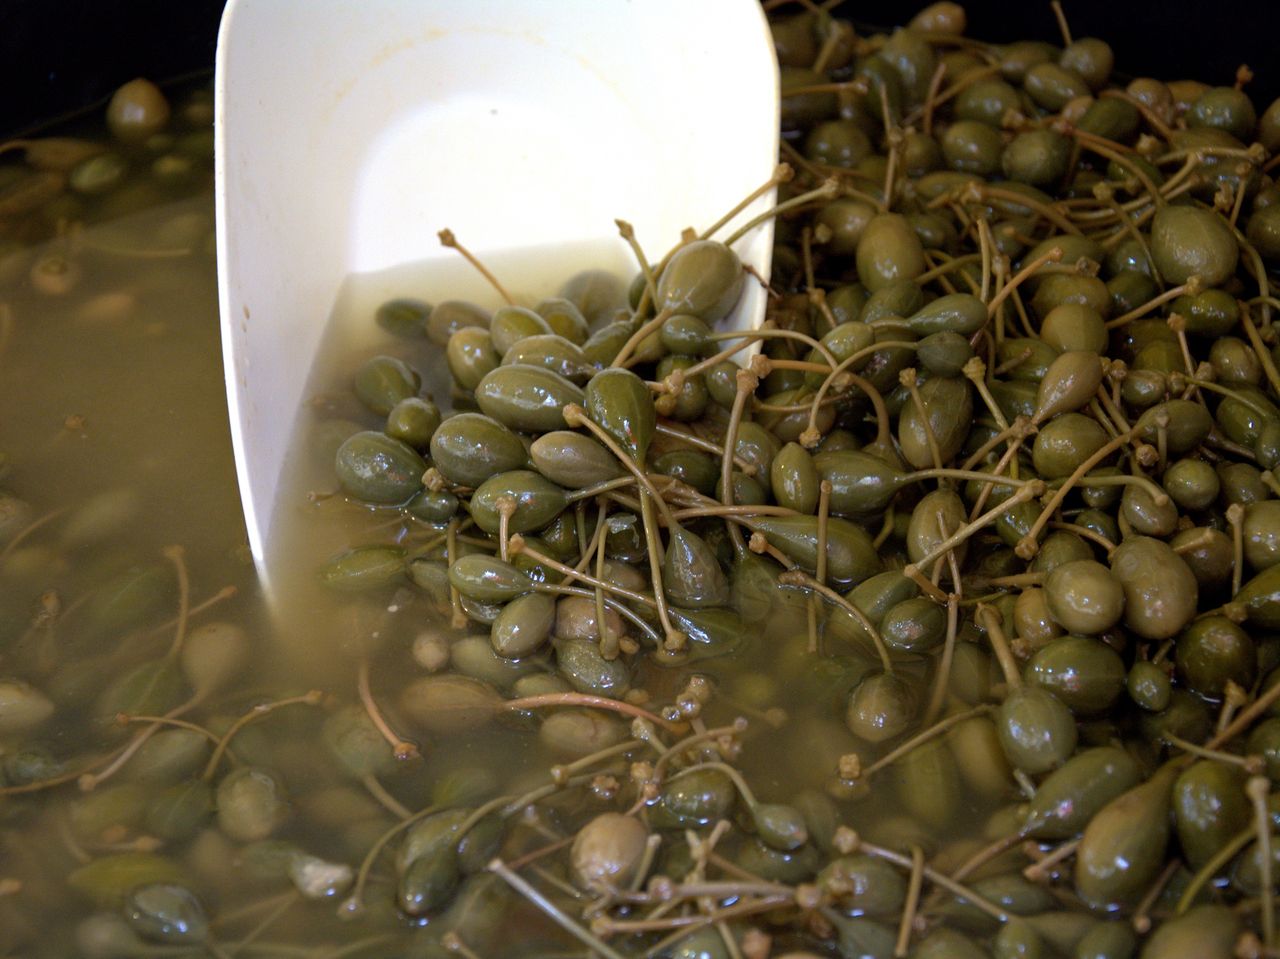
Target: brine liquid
(115,441)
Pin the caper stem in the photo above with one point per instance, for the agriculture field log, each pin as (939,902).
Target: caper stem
(1192,286)
(746,385)
(310,698)
(126,718)
(843,367)
(1257,789)
(1028,546)
(907,920)
(782,173)
(736,728)
(575,415)
(947,265)
(1224,855)
(942,675)
(586,699)
(88,781)
(645,330)
(1042,868)
(919,739)
(798,577)
(1264,355)
(772,333)
(628,233)
(989,619)
(1104,148)
(552,911)
(968,78)
(402,748)
(931,98)
(520,545)
(1031,490)
(384,798)
(829,190)
(449,240)
(938,878)
(176,555)
(1235,517)
(697,442)
(1052,255)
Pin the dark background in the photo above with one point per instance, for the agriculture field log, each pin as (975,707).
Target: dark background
(59,56)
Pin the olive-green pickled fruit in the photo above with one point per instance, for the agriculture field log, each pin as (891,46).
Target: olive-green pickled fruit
(851,557)
(251,804)
(1068,384)
(573,460)
(881,707)
(863,885)
(383,381)
(551,352)
(1189,241)
(1053,86)
(1037,157)
(137,110)
(1086,674)
(524,397)
(936,517)
(365,567)
(945,943)
(1262,533)
(948,410)
(693,798)
(620,403)
(1202,932)
(413,421)
(1114,939)
(509,324)
(1064,443)
(945,353)
(1191,483)
(470,447)
(403,316)
(447,704)
(793,479)
(961,313)
(1123,847)
(1074,327)
(376,468)
(1083,596)
(861,482)
(1214,651)
(1160,590)
(1037,730)
(888,251)
(971,146)
(1209,808)
(449,316)
(1070,796)
(1149,686)
(704,278)
(914,625)
(530,500)
(167,912)
(608,851)
(846,219)
(691,574)
(523,626)
(1264,741)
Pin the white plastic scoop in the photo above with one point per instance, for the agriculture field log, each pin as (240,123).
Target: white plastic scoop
(349,132)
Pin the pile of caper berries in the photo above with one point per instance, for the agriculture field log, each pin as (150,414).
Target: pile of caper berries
(1007,441)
